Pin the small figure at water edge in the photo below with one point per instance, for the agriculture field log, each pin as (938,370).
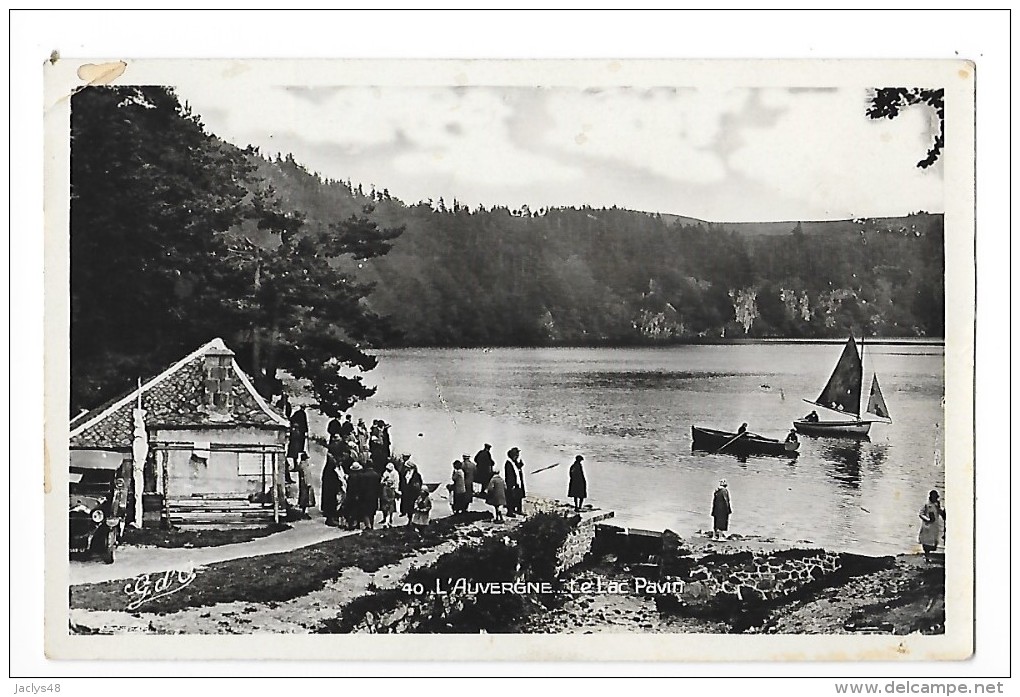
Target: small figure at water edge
(577,488)
(422,509)
(932,516)
(721,510)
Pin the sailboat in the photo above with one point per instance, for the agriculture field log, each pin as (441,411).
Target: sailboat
(842,394)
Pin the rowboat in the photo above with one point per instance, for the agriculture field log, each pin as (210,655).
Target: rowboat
(842,394)
(740,443)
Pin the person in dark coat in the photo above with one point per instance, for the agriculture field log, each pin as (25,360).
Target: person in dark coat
(372,490)
(283,404)
(411,486)
(333,427)
(377,448)
(484,466)
(347,428)
(330,490)
(514,477)
(387,443)
(721,510)
(362,496)
(335,451)
(577,488)
(298,434)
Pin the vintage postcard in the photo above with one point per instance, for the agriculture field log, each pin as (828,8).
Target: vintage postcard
(510,360)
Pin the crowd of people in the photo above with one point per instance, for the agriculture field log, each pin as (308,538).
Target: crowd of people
(363,479)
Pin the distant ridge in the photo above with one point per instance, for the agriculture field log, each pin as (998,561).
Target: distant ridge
(905,223)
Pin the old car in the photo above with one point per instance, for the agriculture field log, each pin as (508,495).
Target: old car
(97,506)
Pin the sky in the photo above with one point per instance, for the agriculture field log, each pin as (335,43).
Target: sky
(751,154)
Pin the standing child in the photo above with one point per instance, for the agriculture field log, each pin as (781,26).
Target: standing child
(422,509)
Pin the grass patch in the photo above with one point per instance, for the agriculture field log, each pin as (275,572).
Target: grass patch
(176,539)
(282,576)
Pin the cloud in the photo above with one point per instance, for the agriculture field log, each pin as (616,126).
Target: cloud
(736,154)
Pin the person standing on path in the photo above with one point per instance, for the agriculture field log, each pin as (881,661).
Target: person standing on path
(330,492)
(484,466)
(515,492)
(495,496)
(577,488)
(409,490)
(306,494)
(458,492)
(346,428)
(721,510)
(297,435)
(470,470)
(932,516)
(389,494)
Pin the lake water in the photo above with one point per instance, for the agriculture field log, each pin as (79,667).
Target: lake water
(630,411)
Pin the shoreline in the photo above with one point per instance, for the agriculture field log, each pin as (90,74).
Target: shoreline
(602,586)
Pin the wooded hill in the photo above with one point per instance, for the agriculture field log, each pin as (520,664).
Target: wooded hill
(502,276)
(178,236)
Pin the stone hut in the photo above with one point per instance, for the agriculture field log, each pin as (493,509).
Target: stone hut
(205,448)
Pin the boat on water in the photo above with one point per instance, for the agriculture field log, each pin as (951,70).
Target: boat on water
(745,443)
(842,394)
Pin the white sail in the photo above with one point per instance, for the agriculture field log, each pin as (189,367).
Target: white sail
(876,402)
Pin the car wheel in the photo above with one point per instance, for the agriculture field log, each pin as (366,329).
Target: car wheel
(110,546)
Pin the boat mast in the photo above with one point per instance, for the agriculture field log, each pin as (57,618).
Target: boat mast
(860,408)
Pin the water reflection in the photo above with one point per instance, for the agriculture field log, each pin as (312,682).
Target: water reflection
(845,456)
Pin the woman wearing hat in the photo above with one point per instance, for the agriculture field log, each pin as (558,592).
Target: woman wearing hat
(577,488)
(931,514)
(410,488)
(721,510)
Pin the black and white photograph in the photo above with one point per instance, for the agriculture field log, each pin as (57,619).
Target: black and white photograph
(576,352)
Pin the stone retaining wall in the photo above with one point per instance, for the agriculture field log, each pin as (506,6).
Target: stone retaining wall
(579,541)
(745,577)
(411,613)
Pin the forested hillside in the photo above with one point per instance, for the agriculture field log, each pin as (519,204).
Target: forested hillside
(178,236)
(501,276)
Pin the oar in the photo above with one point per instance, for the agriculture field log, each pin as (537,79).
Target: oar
(739,435)
(543,469)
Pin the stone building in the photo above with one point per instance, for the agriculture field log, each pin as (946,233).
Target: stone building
(205,447)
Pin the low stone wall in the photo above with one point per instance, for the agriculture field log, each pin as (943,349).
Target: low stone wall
(742,577)
(401,612)
(579,542)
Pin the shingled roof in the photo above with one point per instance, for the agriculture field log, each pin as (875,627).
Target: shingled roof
(174,399)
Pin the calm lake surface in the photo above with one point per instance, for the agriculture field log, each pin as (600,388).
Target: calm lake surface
(630,411)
